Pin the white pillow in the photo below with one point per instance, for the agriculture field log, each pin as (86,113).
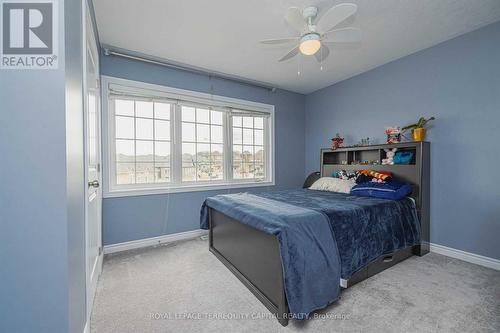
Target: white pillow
(333,185)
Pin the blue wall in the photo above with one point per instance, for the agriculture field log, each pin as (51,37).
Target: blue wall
(42,258)
(33,229)
(130,218)
(457,81)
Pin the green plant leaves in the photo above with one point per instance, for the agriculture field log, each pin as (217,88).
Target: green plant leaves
(420,123)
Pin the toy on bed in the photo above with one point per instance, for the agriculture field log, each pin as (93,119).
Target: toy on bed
(363,176)
(346,175)
(373,176)
(389,156)
(379,184)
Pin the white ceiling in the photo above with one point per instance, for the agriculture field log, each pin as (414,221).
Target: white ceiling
(223,35)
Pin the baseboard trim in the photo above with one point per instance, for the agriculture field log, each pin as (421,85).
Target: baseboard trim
(435,248)
(146,242)
(466,256)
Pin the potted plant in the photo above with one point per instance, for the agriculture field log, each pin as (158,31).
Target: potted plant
(419,130)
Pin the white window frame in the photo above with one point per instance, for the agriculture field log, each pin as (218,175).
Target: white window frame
(110,189)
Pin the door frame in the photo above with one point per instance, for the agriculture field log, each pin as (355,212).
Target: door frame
(89,37)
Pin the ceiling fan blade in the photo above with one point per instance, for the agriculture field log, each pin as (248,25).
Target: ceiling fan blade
(279,40)
(323,52)
(292,53)
(345,35)
(336,15)
(295,19)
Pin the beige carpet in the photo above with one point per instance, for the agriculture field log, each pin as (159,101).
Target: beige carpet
(182,287)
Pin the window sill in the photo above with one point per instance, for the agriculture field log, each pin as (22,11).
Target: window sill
(182,189)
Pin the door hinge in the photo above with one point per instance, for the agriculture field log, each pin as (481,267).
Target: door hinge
(100,250)
(98,167)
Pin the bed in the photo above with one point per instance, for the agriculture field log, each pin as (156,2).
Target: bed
(295,249)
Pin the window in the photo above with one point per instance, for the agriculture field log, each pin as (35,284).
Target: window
(142,141)
(248,147)
(161,140)
(202,144)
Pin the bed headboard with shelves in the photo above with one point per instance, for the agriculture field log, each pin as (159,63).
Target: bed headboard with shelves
(417,172)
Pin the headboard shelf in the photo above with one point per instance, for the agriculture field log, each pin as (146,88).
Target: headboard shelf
(382,146)
(416,173)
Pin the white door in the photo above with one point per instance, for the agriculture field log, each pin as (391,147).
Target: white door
(92,118)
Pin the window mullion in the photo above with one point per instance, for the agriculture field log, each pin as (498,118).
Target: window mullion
(267,124)
(253,144)
(112,139)
(228,147)
(135,143)
(176,145)
(154,143)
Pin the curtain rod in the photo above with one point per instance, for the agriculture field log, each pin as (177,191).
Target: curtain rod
(221,107)
(109,51)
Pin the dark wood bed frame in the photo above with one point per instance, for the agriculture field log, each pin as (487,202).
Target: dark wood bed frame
(254,257)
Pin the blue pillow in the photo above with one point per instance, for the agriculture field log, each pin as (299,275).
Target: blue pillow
(392,190)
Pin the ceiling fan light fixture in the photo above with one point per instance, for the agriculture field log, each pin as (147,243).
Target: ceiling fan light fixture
(312,30)
(310,44)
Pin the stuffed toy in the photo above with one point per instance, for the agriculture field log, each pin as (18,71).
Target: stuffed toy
(389,154)
(393,135)
(381,175)
(337,141)
(346,175)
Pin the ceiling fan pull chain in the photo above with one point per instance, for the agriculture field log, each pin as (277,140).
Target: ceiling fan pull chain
(298,65)
(322,58)
(321,62)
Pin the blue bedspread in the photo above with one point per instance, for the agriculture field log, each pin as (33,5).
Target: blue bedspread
(323,236)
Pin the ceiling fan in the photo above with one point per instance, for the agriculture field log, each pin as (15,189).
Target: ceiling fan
(315,35)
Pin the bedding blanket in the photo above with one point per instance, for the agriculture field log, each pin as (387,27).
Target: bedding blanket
(323,236)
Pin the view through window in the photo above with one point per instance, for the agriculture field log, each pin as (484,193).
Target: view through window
(142,141)
(248,147)
(202,144)
(170,143)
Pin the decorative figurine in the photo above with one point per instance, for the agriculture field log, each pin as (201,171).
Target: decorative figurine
(393,134)
(337,141)
(389,154)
